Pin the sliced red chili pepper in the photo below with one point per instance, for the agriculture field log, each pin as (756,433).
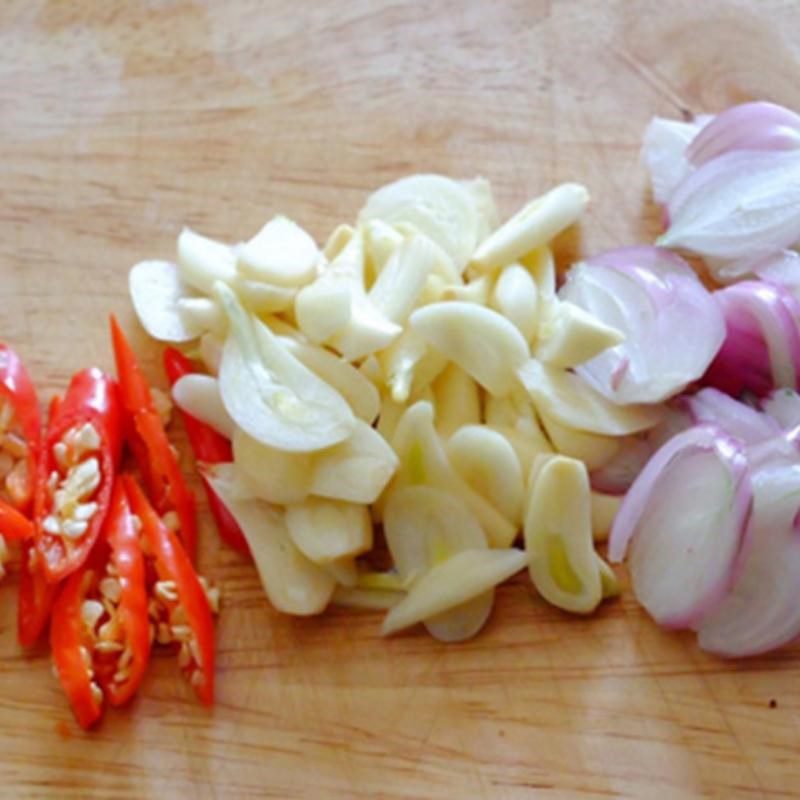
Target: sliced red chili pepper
(71,642)
(209,447)
(179,605)
(154,455)
(36,596)
(19,431)
(76,472)
(101,632)
(14,525)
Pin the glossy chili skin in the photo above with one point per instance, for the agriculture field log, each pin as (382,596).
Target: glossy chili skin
(68,635)
(14,525)
(172,564)
(120,547)
(125,553)
(148,440)
(17,388)
(36,594)
(92,396)
(209,447)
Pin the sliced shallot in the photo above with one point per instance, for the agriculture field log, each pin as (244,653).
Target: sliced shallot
(683,525)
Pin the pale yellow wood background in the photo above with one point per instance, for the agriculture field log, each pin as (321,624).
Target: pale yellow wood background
(119,122)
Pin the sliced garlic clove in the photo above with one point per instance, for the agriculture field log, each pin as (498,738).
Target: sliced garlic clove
(337,241)
(356,470)
(357,390)
(203,314)
(461,622)
(271,474)
(542,266)
(463,577)
(199,396)
(263,298)
(481,341)
(558,537)
(457,400)
(381,240)
(476,291)
(533,226)
(569,400)
(425,526)
(423,461)
(487,462)
(516,296)
(211,346)
(293,583)
(604,510)
(483,197)
(569,336)
(281,253)
(593,449)
(344,571)
(409,365)
(397,289)
(203,261)
(441,208)
(270,394)
(157,291)
(328,530)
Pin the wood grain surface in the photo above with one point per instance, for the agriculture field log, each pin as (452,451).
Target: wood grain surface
(120,122)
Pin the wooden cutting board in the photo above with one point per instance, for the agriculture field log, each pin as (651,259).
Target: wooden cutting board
(119,123)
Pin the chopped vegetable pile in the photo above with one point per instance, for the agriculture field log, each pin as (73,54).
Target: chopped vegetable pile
(425,405)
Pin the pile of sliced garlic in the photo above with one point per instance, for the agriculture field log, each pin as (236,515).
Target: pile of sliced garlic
(415,373)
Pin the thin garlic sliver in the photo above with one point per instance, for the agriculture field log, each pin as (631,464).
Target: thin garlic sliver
(293,583)
(281,253)
(328,530)
(425,526)
(558,537)
(481,341)
(271,474)
(488,463)
(535,225)
(516,296)
(356,470)
(569,336)
(461,578)
(457,400)
(423,461)
(594,449)
(203,261)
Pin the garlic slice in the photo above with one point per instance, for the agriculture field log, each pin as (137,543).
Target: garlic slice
(328,530)
(423,461)
(441,208)
(203,261)
(534,225)
(156,291)
(593,449)
(293,583)
(281,253)
(487,462)
(410,365)
(569,336)
(516,297)
(199,396)
(425,526)
(357,470)
(457,400)
(463,577)
(558,537)
(481,341)
(270,394)
(271,474)
(461,622)
(570,401)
